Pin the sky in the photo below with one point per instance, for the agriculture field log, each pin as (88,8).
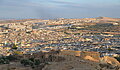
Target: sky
(51,9)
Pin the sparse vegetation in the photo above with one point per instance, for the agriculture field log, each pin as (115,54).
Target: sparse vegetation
(14,46)
(4,60)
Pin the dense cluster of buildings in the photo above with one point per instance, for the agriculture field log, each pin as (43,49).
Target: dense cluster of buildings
(64,34)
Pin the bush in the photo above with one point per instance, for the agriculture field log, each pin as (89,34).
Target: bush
(37,62)
(1,61)
(14,46)
(30,62)
(31,59)
(25,62)
(4,60)
(11,58)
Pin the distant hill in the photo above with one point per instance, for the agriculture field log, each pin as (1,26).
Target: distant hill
(108,18)
(14,21)
(104,18)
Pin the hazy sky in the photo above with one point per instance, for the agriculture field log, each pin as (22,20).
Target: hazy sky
(46,9)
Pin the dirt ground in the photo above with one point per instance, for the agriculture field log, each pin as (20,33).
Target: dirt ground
(74,63)
(70,63)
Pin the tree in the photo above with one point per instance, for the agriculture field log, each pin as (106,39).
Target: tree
(14,46)
(36,61)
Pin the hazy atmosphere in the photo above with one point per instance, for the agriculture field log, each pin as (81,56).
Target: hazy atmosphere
(59,34)
(49,9)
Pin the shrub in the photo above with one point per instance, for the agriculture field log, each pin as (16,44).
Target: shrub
(118,58)
(11,58)
(4,60)
(30,62)
(25,62)
(36,61)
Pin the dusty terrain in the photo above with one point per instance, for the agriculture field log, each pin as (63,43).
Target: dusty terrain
(79,63)
(70,62)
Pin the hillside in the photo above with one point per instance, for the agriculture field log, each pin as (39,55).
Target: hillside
(61,60)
